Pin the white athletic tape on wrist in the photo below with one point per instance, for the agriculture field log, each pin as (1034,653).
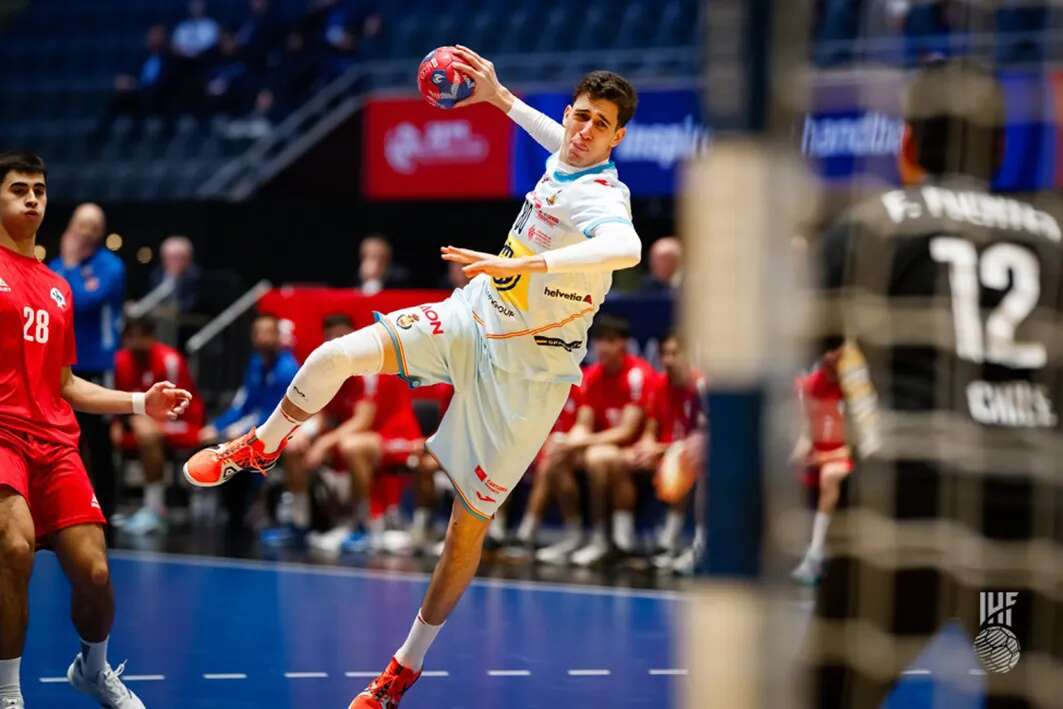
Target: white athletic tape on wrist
(139,403)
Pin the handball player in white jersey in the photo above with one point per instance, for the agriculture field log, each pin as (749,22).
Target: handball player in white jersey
(510,342)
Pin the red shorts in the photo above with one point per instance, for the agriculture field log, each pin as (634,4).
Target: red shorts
(51,478)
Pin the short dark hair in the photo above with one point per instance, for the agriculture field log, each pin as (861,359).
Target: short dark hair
(21,161)
(955,111)
(139,326)
(335,319)
(672,334)
(610,326)
(610,86)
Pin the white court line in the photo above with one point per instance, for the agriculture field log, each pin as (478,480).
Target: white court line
(53,680)
(143,678)
(509,673)
(409,577)
(361,674)
(225,675)
(976,672)
(306,675)
(435,673)
(669,673)
(588,673)
(916,672)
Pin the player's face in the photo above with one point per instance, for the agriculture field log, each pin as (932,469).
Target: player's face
(672,359)
(266,336)
(139,343)
(337,331)
(23,198)
(592,130)
(611,350)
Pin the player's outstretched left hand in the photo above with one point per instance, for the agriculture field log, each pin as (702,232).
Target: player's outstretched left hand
(165,401)
(477,262)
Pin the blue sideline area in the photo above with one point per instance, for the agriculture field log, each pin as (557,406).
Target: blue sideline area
(216,633)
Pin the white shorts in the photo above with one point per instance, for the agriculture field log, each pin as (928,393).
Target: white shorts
(496,422)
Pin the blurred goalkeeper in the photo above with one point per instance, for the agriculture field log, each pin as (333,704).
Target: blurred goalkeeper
(949,301)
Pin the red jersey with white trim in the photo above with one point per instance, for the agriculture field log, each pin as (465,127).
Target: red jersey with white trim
(821,399)
(567,419)
(608,394)
(394,406)
(37,342)
(676,409)
(163,363)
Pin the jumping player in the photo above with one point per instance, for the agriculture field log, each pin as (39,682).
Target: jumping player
(46,499)
(510,342)
(823,453)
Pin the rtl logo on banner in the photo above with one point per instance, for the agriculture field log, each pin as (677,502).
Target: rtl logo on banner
(413,150)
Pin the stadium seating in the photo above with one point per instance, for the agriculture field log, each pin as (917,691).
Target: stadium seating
(58,60)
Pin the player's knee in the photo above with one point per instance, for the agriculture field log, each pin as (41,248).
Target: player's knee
(328,358)
(600,458)
(97,575)
(145,430)
(16,554)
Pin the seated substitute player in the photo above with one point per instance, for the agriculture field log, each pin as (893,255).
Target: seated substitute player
(674,418)
(138,366)
(46,499)
(824,456)
(510,342)
(948,300)
(611,415)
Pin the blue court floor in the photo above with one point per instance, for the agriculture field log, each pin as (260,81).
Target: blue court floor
(227,634)
(204,632)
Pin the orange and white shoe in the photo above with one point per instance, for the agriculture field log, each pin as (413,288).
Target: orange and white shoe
(213,466)
(387,689)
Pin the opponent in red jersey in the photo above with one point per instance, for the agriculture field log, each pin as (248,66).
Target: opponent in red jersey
(674,419)
(823,453)
(611,412)
(141,363)
(46,498)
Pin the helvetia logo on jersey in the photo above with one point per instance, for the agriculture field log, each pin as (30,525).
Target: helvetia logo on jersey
(566,295)
(57,296)
(4,287)
(996,644)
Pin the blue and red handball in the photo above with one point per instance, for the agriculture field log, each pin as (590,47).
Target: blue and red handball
(439,82)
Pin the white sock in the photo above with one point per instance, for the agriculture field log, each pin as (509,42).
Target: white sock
(9,685)
(94,657)
(155,496)
(277,427)
(497,529)
(528,528)
(819,535)
(673,527)
(301,509)
(422,516)
(422,635)
(624,529)
(377,525)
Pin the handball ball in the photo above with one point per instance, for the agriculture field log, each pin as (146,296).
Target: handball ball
(439,82)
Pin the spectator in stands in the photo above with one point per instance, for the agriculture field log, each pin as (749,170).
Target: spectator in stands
(376,271)
(611,414)
(147,88)
(666,262)
(197,34)
(256,35)
(142,362)
(292,75)
(97,281)
(177,266)
(345,25)
(266,380)
(230,84)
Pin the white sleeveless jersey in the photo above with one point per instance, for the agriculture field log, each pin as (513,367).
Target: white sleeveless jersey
(536,324)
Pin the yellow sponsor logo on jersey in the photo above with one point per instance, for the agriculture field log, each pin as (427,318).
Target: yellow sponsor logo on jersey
(513,289)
